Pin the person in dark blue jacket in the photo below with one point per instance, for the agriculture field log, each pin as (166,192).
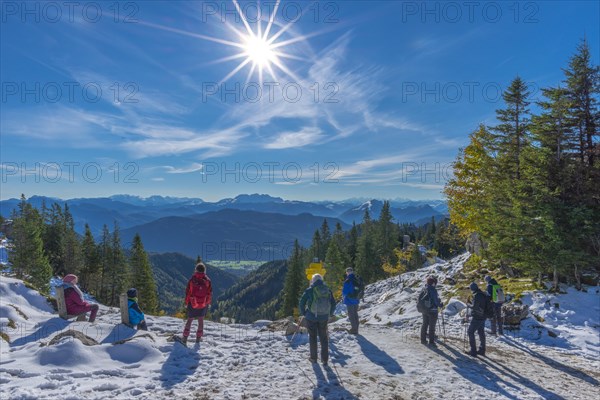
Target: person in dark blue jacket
(430,312)
(351,300)
(136,316)
(477,321)
(496,322)
(317,305)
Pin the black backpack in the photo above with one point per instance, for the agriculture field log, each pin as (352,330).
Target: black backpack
(358,291)
(489,308)
(424,301)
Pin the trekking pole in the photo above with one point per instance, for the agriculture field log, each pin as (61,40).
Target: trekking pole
(332,363)
(292,358)
(444,326)
(466,325)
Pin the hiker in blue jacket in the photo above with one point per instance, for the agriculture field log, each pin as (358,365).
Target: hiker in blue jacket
(351,300)
(317,305)
(136,316)
(496,322)
(430,311)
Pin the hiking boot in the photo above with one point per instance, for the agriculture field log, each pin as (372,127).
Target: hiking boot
(198,340)
(472,353)
(424,342)
(325,363)
(313,360)
(481,352)
(352,332)
(184,340)
(432,344)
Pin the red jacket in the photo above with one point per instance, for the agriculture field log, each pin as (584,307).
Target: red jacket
(198,276)
(74,303)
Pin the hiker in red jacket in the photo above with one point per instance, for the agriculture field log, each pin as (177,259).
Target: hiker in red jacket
(198,296)
(74,299)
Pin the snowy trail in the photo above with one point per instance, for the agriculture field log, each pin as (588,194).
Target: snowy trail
(241,362)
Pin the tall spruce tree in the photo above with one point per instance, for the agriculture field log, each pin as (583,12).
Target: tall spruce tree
(89,278)
(295,281)
(27,254)
(142,277)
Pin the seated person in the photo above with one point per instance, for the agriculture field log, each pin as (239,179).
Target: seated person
(136,316)
(74,299)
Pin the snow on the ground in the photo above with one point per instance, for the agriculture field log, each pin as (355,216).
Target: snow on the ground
(386,361)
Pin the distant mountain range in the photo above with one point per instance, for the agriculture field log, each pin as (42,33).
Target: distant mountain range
(246,227)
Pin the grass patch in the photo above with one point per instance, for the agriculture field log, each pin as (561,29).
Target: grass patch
(11,324)
(5,337)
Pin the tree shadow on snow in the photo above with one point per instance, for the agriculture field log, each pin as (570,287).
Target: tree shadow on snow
(181,363)
(45,329)
(480,373)
(330,386)
(379,357)
(553,363)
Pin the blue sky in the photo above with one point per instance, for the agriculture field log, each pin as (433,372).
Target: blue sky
(370,98)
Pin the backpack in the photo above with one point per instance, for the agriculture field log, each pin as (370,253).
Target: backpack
(498,294)
(320,304)
(424,301)
(489,311)
(200,292)
(358,291)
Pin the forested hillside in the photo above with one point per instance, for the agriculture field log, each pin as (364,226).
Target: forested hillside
(256,296)
(173,270)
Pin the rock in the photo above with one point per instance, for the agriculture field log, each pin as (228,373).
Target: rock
(454,307)
(514,313)
(287,325)
(86,340)
(474,244)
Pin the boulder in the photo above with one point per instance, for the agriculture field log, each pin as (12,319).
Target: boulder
(514,313)
(287,325)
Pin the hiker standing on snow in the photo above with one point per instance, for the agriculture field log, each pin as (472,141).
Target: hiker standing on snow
(351,294)
(494,290)
(198,296)
(317,305)
(428,305)
(74,298)
(478,314)
(136,316)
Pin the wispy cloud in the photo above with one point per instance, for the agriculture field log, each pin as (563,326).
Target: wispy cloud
(302,138)
(194,167)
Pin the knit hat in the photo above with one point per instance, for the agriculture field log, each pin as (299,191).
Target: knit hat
(487,278)
(132,293)
(431,280)
(473,286)
(316,277)
(349,270)
(70,279)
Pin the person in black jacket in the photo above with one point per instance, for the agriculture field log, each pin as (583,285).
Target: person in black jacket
(477,321)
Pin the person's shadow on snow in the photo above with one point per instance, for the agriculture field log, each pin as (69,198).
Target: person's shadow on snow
(553,363)
(44,330)
(337,355)
(480,373)
(330,386)
(379,357)
(181,363)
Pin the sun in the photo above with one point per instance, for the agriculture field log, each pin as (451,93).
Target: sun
(259,51)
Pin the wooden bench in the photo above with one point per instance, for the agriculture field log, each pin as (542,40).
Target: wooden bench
(124,306)
(62,306)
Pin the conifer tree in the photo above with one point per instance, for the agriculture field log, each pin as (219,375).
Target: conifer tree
(142,277)
(90,278)
(27,255)
(295,281)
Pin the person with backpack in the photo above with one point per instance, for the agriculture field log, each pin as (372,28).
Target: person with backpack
(74,301)
(352,292)
(482,308)
(317,305)
(428,304)
(494,290)
(136,316)
(198,296)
